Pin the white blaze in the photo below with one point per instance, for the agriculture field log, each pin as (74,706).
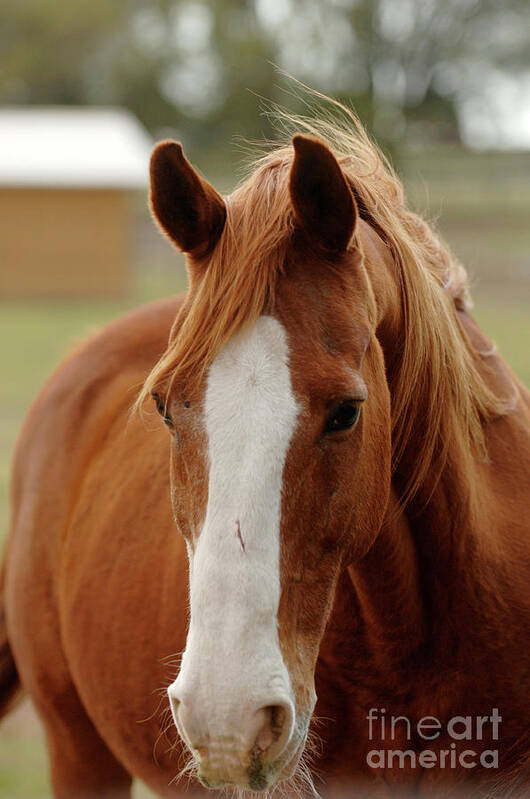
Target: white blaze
(232,661)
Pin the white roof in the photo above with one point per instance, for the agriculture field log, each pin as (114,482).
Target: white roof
(75,147)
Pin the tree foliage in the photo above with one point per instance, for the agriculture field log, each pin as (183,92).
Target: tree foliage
(407,65)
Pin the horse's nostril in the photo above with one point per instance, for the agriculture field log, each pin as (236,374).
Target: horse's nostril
(275,731)
(272,729)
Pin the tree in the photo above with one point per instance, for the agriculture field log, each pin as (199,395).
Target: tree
(408,66)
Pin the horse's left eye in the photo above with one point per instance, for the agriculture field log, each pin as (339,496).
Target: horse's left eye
(342,417)
(162,409)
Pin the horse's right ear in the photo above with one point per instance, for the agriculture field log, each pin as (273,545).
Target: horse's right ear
(187,207)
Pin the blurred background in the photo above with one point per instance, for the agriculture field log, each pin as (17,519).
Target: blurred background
(86,86)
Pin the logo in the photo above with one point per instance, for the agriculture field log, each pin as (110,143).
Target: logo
(465,731)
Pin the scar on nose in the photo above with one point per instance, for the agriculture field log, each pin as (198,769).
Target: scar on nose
(238,534)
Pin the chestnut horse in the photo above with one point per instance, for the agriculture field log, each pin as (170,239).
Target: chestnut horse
(349,474)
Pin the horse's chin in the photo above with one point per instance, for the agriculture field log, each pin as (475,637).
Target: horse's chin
(262,778)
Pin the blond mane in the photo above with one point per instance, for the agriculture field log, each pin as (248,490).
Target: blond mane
(438,364)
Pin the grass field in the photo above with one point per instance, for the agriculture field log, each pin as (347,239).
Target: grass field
(485,219)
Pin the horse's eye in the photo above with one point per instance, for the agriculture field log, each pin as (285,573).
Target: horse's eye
(162,409)
(342,417)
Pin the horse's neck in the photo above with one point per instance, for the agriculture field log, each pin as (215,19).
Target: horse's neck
(388,591)
(424,569)
(441,624)
(438,590)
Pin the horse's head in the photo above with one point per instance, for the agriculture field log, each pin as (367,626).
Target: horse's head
(274,389)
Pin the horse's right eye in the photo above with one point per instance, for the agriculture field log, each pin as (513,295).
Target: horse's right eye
(162,410)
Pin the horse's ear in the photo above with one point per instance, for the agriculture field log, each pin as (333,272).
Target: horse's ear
(187,208)
(323,203)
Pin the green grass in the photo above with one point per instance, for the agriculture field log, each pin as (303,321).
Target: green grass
(509,327)
(23,759)
(23,765)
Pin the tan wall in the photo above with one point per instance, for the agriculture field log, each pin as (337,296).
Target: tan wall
(63,242)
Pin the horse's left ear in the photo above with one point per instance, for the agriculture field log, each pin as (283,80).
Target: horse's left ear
(323,202)
(187,208)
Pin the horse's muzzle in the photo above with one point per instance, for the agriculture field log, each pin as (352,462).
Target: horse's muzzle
(241,747)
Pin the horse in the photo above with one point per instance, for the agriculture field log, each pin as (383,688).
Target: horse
(328,589)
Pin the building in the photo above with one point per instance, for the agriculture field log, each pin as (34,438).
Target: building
(68,177)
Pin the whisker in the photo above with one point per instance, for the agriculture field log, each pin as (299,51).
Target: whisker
(153,714)
(189,769)
(175,657)
(161,734)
